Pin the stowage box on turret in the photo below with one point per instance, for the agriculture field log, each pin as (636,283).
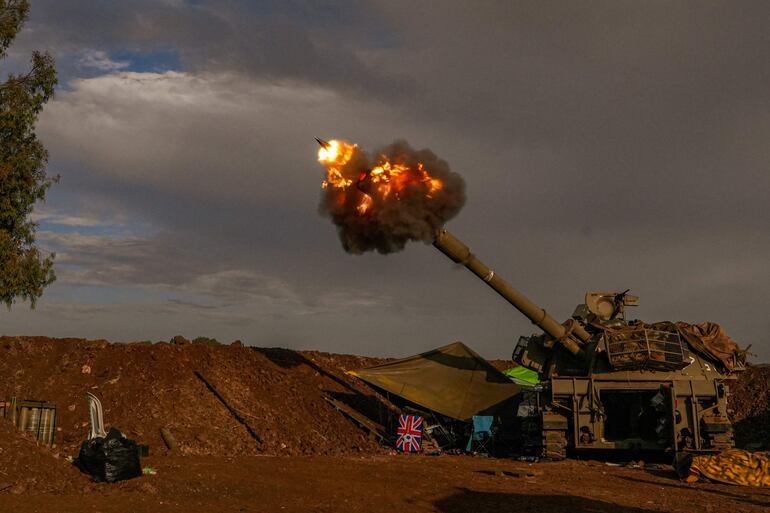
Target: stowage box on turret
(615,384)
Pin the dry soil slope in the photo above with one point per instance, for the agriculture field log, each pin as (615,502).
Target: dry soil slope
(145,387)
(27,467)
(750,402)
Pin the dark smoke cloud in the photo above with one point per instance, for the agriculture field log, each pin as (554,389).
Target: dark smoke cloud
(414,214)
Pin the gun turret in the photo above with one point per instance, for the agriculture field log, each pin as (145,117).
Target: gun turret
(570,334)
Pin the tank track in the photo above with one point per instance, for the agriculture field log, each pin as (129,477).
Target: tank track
(554,444)
(722,441)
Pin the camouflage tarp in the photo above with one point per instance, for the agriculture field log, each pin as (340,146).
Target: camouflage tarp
(711,341)
(733,466)
(451,380)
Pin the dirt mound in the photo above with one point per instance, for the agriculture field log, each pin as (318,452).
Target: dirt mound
(280,395)
(750,402)
(278,400)
(27,467)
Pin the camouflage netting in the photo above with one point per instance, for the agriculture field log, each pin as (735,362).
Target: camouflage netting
(656,345)
(711,341)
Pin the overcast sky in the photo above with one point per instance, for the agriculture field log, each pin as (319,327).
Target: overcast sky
(605,146)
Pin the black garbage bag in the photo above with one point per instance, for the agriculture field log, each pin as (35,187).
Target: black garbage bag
(112,458)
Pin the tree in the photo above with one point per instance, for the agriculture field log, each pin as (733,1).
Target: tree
(24,271)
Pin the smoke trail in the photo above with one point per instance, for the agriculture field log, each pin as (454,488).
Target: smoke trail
(382,203)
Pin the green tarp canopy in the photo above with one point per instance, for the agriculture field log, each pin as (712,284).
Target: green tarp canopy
(523,376)
(452,380)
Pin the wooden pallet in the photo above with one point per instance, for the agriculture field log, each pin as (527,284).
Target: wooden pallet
(374,429)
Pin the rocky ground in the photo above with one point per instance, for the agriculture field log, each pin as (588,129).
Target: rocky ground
(306,455)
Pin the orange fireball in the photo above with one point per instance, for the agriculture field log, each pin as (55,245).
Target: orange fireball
(387,181)
(334,155)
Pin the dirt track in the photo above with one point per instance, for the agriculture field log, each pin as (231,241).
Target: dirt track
(388,483)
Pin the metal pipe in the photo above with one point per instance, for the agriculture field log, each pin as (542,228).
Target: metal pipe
(572,337)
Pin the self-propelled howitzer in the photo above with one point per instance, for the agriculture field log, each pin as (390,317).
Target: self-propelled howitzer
(607,383)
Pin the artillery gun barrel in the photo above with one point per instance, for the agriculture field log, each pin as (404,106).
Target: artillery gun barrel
(572,337)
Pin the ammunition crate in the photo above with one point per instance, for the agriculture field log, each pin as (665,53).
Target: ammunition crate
(35,417)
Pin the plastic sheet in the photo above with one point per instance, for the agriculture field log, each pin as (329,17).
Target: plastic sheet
(110,458)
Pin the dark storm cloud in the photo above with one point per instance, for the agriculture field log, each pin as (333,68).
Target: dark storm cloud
(605,145)
(654,98)
(289,40)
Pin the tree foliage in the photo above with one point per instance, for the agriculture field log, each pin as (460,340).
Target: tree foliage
(24,270)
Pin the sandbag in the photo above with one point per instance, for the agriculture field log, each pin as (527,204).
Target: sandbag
(110,458)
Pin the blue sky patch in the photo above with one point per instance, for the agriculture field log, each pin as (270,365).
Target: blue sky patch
(156,61)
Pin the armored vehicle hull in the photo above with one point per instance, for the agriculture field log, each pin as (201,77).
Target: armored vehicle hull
(607,383)
(629,411)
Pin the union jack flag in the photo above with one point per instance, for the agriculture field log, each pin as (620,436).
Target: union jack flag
(409,433)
